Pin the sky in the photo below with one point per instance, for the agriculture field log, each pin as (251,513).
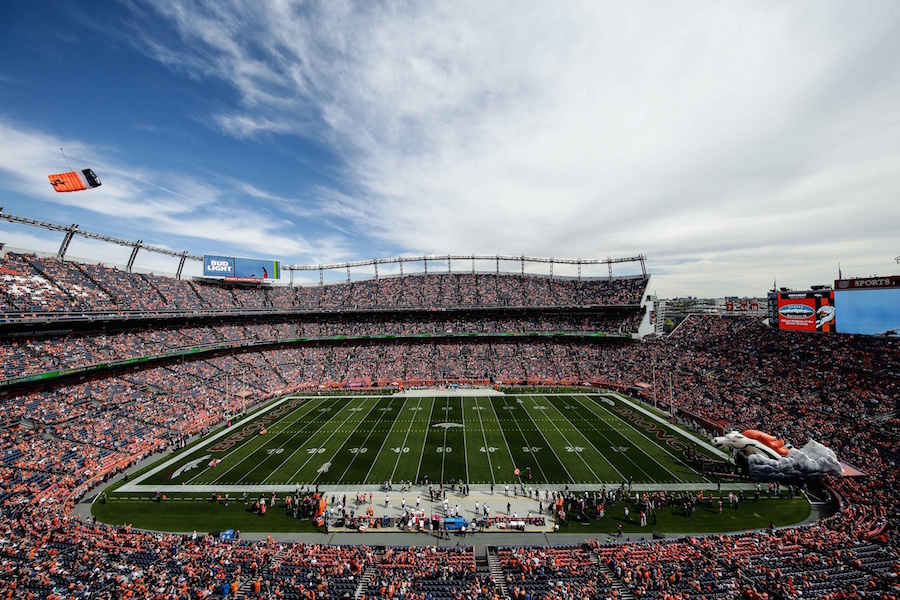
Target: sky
(736,145)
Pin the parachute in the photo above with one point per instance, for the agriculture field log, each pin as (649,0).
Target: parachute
(74,181)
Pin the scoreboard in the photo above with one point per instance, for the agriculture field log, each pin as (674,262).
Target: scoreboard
(867,306)
(802,311)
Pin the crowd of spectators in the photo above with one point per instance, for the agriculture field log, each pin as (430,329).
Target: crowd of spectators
(726,373)
(554,573)
(40,354)
(421,572)
(30,285)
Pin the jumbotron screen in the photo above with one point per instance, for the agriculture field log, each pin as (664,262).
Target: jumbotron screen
(868,306)
(803,311)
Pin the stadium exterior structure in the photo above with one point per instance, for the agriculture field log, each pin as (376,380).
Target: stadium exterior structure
(73,230)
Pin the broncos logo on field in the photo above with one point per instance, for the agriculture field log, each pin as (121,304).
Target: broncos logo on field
(188,466)
(448,425)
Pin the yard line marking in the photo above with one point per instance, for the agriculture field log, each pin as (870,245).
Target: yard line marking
(592,444)
(483,437)
(291,455)
(309,406)
(548,445)
(444,441)
(350,413)
(369,435)
(623,433)
(403,445)
(424,440)
(137,483)
(512,460)
(565,438)
(384,441)
(462,410)
(336,452)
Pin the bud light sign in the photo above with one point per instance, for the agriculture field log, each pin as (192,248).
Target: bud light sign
(241,269)
(218,266)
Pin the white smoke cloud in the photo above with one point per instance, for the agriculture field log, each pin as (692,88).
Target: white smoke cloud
(811,460)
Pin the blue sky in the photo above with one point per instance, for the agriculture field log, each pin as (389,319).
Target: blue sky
(733,144)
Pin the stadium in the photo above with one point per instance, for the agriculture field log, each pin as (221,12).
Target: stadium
(139,409)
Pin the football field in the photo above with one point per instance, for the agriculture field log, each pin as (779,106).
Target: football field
(352,441)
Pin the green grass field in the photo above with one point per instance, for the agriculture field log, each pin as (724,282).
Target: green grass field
(356,443)
(182,514)
(565,439)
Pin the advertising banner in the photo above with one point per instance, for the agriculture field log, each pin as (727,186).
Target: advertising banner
(867,283)
(241,269)
(806,311)
(218,266)
(250,268)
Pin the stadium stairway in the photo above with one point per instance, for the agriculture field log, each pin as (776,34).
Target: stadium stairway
(623,592)
(244,589)
(493,560)
(149,283)
(482,568)
(265,573)
(364,582)
(113,299)
(34,264)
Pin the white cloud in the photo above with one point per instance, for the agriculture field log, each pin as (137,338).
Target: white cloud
(152,204)
(246,126)
(726,142)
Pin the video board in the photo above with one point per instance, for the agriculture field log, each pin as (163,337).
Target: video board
(241,269)
(804,311)
(868,306)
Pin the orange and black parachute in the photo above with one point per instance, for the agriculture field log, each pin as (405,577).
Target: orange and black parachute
(74,181)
